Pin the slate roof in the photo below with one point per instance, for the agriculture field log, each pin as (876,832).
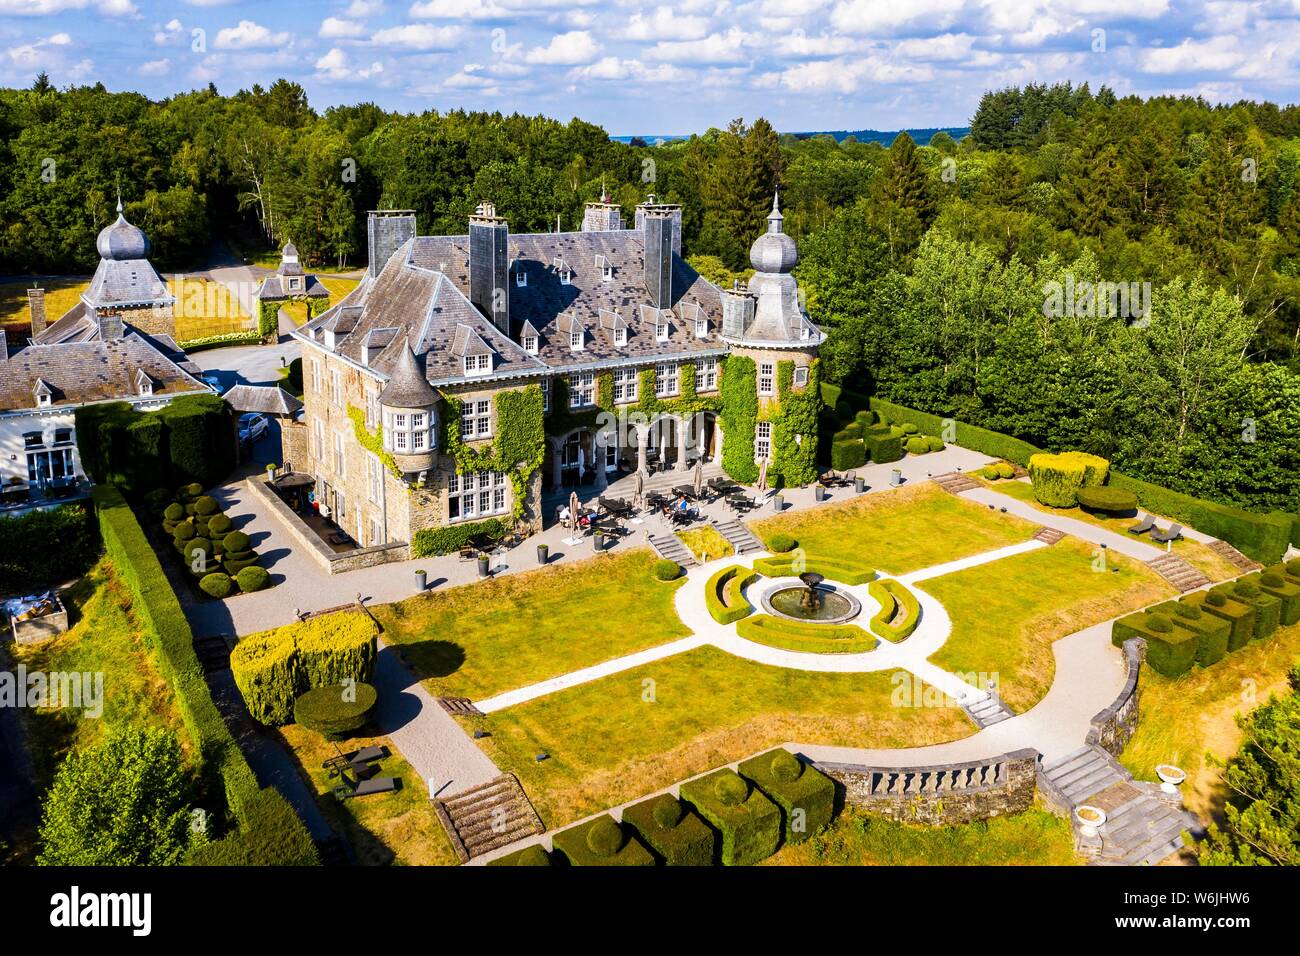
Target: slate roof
(127,282)
(273,287)
(407,385)
(267,399)
(90,371)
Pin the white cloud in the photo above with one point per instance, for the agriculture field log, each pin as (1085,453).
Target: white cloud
(1216,54)
(249,35)
(418,36)
(364,8)
(44,8)
(664,24)
(334,66)
(154,67)
(333,28)
(576,46)
(614,69)
(876,16)
(734,46)
(457,10)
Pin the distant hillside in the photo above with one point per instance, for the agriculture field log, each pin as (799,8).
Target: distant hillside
(921,136)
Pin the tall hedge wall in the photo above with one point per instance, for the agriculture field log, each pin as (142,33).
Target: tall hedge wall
(69,543)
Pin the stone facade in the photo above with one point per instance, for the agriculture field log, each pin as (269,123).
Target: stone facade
(154,320)
(941,795)
(1113,727)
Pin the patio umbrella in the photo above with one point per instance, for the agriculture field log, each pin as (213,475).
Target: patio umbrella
(762,476)
(573,510)
(582,463)
(699,477)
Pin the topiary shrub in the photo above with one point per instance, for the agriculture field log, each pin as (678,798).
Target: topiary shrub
(935,443)
(909,428)
(1287,590)
(576,844)
(665,570)
(1107,500)
(336,710)
(236,541)
(1215,599)
(184,531)
(1160,623)
(917,445)
(216,585)
(1293,567)
(1189,611)
(847,454)
(1170,650)
(532,855)
(206,505)
(750,829)
(1005,470)
(1268,609)
(675,835)
(1240,617)
(1271,579)
(781,543)
(174,512)
(805,795)
(220,524)
(884,448)
(237,561)
(730,791)
(252,578)
(1211,632)
(1057,478)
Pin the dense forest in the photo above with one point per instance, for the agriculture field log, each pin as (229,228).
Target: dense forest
(957,277)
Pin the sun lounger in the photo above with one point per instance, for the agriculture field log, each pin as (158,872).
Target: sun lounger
(366,788)
(1143,526)
(1173,534)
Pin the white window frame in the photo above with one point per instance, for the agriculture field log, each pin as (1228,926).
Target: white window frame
(530,344)
(521,279)
(706,375)
(582,390)
(566,276)
(340,457)
(374,478)
(766,378)
(668,379)
(546,396)
(800,376)
(477,364)
(661,330)
(318,439)
(336,386)
(620,335)
(476,495)
(410,432)
(315,376)
(701,328)
(576,342)
(762,441)
(626,383)
(476,419)
(372,409)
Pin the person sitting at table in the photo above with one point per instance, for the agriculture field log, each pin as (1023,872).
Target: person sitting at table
(563,516)
(587,519)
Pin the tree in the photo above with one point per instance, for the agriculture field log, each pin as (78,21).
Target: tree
(122,803)
(904,182)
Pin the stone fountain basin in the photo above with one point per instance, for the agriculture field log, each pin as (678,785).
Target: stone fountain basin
(853,607)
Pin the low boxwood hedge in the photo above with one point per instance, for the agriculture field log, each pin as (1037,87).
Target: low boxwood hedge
(674,833)
(848,453)
(532,855)
(1268,609)
(665,570)
(1240,616)
(805,636)
(1285,590)
(748,822)
(730,581)
(336,709)
(884,448)
(1211,632)
(781,543)
(433,541)
(783,566)
(601,842)
(1107,499)
(1171,650)
(805,795)
(893,598)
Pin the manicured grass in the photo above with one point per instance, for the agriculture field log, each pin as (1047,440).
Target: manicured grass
(1213,566)
(706,543)
(1007,613)
(1185,718)
(629,734)
(901,530)
(1032,838)
(338,288)
(103,640)
(491,636)
(204,307)
(398,828)
(60,296)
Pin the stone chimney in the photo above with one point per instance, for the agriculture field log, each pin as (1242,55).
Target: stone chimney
(603,216)
(673,211)
(36,304)
(738,306)
(111,326)
(489,262)
(387,230)
(657,231)
(4,347)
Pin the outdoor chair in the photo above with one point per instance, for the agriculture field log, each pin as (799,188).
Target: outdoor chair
(1143,526)
(365,788)
(1173,534)
(354,759)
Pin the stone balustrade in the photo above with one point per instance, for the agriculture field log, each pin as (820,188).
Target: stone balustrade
(1112,727)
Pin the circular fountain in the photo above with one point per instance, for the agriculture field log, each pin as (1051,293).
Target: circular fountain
(815,601)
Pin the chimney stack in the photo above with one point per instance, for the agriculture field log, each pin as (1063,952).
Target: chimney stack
(657,231)
(4,347)
(111,326)
(36,304)
(738,308)
(673,210)
(387,230)
(489,261)
(603,216)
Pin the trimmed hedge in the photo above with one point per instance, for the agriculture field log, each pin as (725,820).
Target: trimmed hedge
(806,636)
(805,795)
(1286,590)
(216,585)
(1240,617)
(892,596)
(1211,631)
(1170,650)
(270,834)
(739,578)
(847,454)
(1058,478)
(434,541)
(1268,609)
(748,822)
(69,544)
(782,566)
(674,833)
(665,570)
(884,448)
(252,578)
(273,668)
(601,842)
(781,543)
(327,710)
(1107,499)
(532,855)
(994,444)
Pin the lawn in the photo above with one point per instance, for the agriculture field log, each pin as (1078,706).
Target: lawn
(398,828)
(204,307)
(629,734)
(1184,718)
(1032,838)
(1213,566)
(1007,613)
(103,640)
(706,543)
(480,639)
(338,288)
(60,296)
(901,530)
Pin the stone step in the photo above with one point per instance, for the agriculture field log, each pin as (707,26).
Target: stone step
(671,548)
(1178,572)
(459,705)
(738,536)
(1050,766)
(988,711)
(1048,535)
(1086,786)
(488,816)
(1238,559)
(955,482)
(213,653)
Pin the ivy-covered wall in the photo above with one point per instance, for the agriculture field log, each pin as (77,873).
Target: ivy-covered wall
(516,451)
(793,415)
(739,415)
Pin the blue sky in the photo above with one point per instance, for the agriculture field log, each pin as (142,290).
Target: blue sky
(638,67)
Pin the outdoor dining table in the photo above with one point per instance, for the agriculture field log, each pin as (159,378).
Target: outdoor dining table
(685,491)
(616,506)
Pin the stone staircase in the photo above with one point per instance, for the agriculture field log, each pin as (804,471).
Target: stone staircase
(1048,535)
(1235,557)
(955,482)
(213,653)
(1143,826)
(988,711)
(488,816)
(1178,572)
(740,538)
(670,546)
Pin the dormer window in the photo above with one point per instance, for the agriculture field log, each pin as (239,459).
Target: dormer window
(805,331)
(44,395)
(566,276)
(294,282)
(606,270)
(530,344)
(661,329)
(146,387)
(575,340)
(701,328)
(620,335)
(478,364)
(521,279)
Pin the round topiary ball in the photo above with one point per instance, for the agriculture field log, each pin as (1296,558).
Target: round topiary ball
(236,541)
(220,524)
(206,505)
(781,543)
(1160,623)
(174,511)
(731,790)
(785,766)
(1293,567)
(216,585)
(667,811)
(1271,579)
(1215,599)
(1189,611)
(665,570)
(909,428)
(1006,470)
(252,579)
(184,531)
(605,837)
(935,443)
(1247,589)
(532,856)
(193,490)
(917,445)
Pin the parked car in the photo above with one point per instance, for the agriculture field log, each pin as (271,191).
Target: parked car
(252,427)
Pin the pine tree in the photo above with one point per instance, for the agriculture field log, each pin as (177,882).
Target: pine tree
(904,182)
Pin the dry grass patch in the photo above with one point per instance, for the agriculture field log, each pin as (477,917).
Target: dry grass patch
(706,543)
(398,828)
(205,307)
(900,530)
(1006,614)
(626,735)
(1185,718)
(60,296)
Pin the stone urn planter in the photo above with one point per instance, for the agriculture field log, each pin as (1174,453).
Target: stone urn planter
(421,580)
(598,542)
(1090,819)
(1171,777)
(896,477)
(859,485)
(778,503)
(819,493)
(543,553)
(484,565)
(270,473)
